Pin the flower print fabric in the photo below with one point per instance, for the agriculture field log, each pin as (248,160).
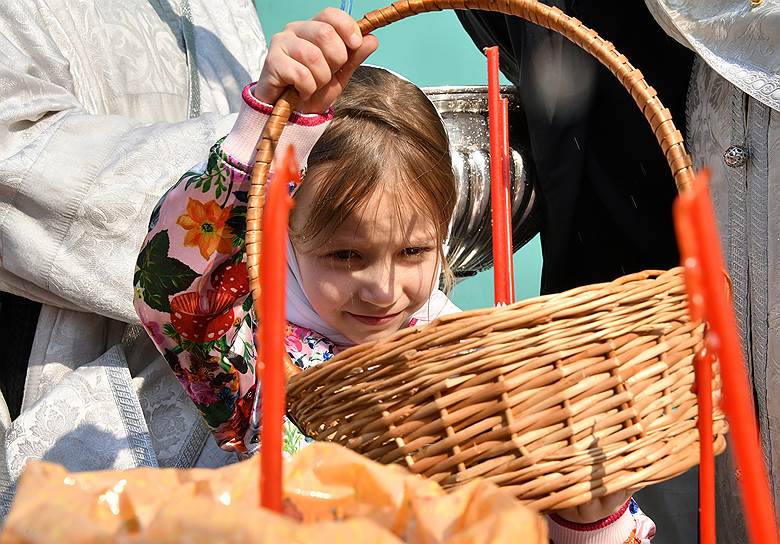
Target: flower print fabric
(206,226)
(192,294)
(192,287)
(307,348)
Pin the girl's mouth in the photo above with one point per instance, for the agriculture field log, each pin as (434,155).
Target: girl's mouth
(374,320)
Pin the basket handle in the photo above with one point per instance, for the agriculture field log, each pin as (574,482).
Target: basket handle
(660,118)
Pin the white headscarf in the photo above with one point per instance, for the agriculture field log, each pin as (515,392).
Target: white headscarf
(299,310)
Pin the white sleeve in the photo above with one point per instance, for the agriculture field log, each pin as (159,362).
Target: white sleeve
(76,189)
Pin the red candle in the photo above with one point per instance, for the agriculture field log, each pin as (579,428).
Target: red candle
(506,195)
(723,340)
(686,239)
(704,361)
(499,187)
(270,336)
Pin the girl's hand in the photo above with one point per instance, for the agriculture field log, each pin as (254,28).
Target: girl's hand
(317,57)
(597,509)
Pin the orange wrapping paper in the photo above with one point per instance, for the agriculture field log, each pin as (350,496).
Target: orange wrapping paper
(331,495)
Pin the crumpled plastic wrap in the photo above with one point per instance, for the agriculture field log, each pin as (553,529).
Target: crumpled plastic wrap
(332,495)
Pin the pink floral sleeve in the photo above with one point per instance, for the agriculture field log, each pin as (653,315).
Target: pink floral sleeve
(191,285)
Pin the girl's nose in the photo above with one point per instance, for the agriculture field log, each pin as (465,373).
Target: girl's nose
(378,286)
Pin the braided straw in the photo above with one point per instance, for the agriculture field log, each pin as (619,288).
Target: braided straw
(561,398)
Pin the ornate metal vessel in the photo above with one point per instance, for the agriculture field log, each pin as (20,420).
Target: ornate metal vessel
(465,114)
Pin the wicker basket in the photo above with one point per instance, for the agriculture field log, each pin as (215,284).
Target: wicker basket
(561,398)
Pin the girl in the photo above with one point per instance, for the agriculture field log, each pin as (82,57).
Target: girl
(366,236)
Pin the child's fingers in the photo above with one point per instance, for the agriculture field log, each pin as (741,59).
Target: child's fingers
(286,71)
(323,36)
(370,43)
(344,24)
(317,57)
(301,78)
(326,96)
(311,58)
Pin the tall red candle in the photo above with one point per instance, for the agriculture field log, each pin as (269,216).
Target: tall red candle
(506,196)
(689,249)
(270,336)
(499,188)
(707,464)
(724,341)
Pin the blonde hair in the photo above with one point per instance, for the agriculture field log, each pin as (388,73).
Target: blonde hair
(381,121)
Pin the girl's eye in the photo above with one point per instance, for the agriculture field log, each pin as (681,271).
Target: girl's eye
(343,254)
(415,251)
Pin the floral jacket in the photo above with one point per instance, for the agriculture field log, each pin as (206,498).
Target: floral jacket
(191,284)
(192,295)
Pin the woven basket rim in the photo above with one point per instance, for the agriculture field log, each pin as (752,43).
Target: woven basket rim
(651,274)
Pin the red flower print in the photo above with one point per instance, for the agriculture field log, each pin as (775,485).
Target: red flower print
(200,393)
(153,328)
(293,344)
(202,320)
(230,435)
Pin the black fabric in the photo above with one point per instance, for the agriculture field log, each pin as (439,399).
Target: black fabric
(18,320)
(607,190)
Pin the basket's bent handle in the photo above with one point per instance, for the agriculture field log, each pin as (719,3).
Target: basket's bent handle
(660,118)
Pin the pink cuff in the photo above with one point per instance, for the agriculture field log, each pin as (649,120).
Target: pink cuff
(303,130)
(296,118)
(616,529)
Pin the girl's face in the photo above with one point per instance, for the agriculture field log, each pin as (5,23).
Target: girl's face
(375,271)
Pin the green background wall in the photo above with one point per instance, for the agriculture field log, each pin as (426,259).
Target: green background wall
(430,49)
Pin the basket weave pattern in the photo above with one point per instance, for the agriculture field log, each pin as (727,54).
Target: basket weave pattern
(561,398)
